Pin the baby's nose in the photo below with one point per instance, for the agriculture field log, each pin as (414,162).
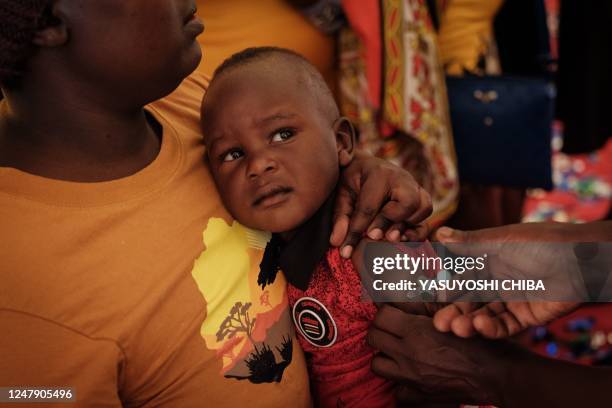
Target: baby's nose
(259,165)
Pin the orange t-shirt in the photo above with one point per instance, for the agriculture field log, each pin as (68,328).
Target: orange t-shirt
(234,25)
(142,291)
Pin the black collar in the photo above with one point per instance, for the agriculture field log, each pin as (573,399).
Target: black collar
(299,257)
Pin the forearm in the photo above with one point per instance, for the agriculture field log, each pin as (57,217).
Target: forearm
(587,232)
(595,231)
(538,381)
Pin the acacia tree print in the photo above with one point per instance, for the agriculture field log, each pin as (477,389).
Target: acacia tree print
(238,321)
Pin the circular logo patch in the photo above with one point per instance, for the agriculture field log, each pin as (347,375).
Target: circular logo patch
(314,322)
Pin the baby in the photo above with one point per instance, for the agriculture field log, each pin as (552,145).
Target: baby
(276,144)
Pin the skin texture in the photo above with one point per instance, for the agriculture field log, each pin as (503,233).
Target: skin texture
(274,153)
(442,368)
(405,205)
(78,114)
(504,319)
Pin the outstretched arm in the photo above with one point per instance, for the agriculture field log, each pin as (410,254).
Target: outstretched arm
(503,319)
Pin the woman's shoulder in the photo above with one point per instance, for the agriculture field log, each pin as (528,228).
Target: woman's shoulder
(181,108)
(188,95)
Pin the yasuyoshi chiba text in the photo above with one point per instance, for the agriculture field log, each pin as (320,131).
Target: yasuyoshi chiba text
(461,285)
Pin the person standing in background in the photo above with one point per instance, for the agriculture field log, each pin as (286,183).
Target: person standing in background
(468,47)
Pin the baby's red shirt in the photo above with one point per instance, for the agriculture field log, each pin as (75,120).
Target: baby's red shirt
(332,321)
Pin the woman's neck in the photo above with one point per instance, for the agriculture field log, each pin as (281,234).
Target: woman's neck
(66,135)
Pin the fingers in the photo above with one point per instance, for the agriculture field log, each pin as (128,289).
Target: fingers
(453,318)
(424,210)
(390,222)
(371,196)
(410,205)
(394,233)
(405,232)
(489,327)
(428,309)
(498,323)
(497,234)
(449,235)
(466,243)
(416,234)
(339,231)
(377,228)
(401,216)
(342,213)
(467,319)
(462,326)
(390,319)
(383,201)
(386,367)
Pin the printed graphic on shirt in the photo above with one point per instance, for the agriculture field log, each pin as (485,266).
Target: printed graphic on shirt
(249,327)
(314,322)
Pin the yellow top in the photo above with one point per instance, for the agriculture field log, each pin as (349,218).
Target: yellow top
(466,33)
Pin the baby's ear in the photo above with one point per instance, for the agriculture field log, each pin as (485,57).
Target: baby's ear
(54,30)
(345,140)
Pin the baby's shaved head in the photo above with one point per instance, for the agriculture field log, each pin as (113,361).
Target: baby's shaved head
(275,141)
(306,74)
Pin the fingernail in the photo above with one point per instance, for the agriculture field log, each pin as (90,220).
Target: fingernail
(394,235)
(347,251)
(375,234)
(404,238)
(445,232)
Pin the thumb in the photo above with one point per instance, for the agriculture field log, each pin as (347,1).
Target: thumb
(451,235)
(420,308)
(480,241)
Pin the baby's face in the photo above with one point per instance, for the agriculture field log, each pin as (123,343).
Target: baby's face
(272,152)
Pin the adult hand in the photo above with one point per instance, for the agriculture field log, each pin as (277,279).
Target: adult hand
(533,260)
(435,367)
(381,199)
(438,368)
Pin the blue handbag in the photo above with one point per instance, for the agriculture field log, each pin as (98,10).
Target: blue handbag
(502,129)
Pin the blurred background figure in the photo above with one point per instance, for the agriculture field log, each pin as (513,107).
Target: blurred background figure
(482,38)
(392,86)
(568,44)
(581,40)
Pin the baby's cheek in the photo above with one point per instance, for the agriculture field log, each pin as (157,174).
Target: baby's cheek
(231,198)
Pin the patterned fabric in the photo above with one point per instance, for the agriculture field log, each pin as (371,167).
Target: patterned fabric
(339,367)
(393,89)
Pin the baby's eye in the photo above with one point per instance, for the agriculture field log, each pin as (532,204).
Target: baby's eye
(232,155)
(282,135)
